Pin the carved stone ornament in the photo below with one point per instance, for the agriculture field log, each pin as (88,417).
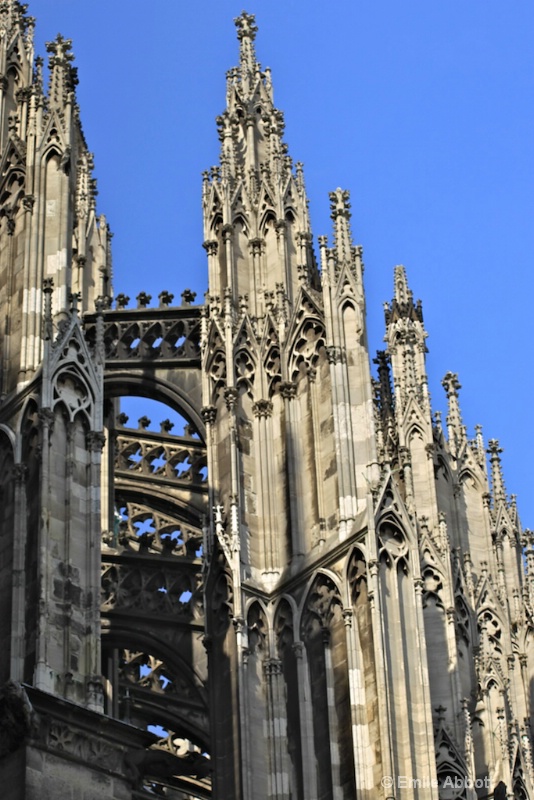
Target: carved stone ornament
(95,441)
(82,746)
(288,389)
(20,472)
(16,717)
(28,201)
(227,232)
(209,414)
(256,246)
(211,247)
(143,299)
(46,417)
(262,408)
(230,397)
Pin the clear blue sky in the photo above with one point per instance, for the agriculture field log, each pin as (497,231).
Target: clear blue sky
(423,110)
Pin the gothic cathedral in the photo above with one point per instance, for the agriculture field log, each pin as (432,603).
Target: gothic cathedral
(315,590)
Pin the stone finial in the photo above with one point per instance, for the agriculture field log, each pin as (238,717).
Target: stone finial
(340,214)
(246,26)
(402,293)
(299,172)
(188,297)
(166,426)
(59,49)
(165,298)
(479,442)
(456,429)
(403,305)
(143,422)
(63,77)
(143,299)
(122,300)
(246,33)
(451,384)
(122,419)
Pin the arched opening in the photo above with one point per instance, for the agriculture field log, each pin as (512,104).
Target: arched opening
(155,485)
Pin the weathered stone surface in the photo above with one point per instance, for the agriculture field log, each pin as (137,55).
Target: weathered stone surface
(313,582)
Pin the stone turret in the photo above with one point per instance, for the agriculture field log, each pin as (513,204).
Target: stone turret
(54,264)
(48,221)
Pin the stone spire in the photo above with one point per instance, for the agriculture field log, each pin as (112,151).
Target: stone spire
(385,406)
(456,429)
(497,480)
(246,33)
(13,20)
(345,252)
(49,168)
(255,202)
(406,335)
(16,61)
(340,214)
(344,255)
(403,304)
(63,76)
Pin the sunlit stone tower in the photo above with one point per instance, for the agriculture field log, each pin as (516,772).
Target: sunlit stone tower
(314,591)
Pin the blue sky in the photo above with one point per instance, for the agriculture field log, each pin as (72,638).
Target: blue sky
(423,110)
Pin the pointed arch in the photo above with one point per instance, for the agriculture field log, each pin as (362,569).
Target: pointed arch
(356,572)
(465,641)
(466,475)
(239,219)
(432,574)
(392,541)
(271,357)
(216,222)
(450,767)
(365,692)
(414,431)
(268,217)
(12,191)
(390,508)
(257,678)
(258,628)
(323,631)
(284,623)
(306,347)
(519,786)
(322,602)
(288,650)
(72,391)
(245,366)
(156,685)
(490,625)
(290,215)
(492,629)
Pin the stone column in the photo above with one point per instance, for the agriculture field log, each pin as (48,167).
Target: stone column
(309,777)
(18,623)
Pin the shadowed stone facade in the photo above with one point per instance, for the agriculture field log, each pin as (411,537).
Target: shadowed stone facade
(316,590)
